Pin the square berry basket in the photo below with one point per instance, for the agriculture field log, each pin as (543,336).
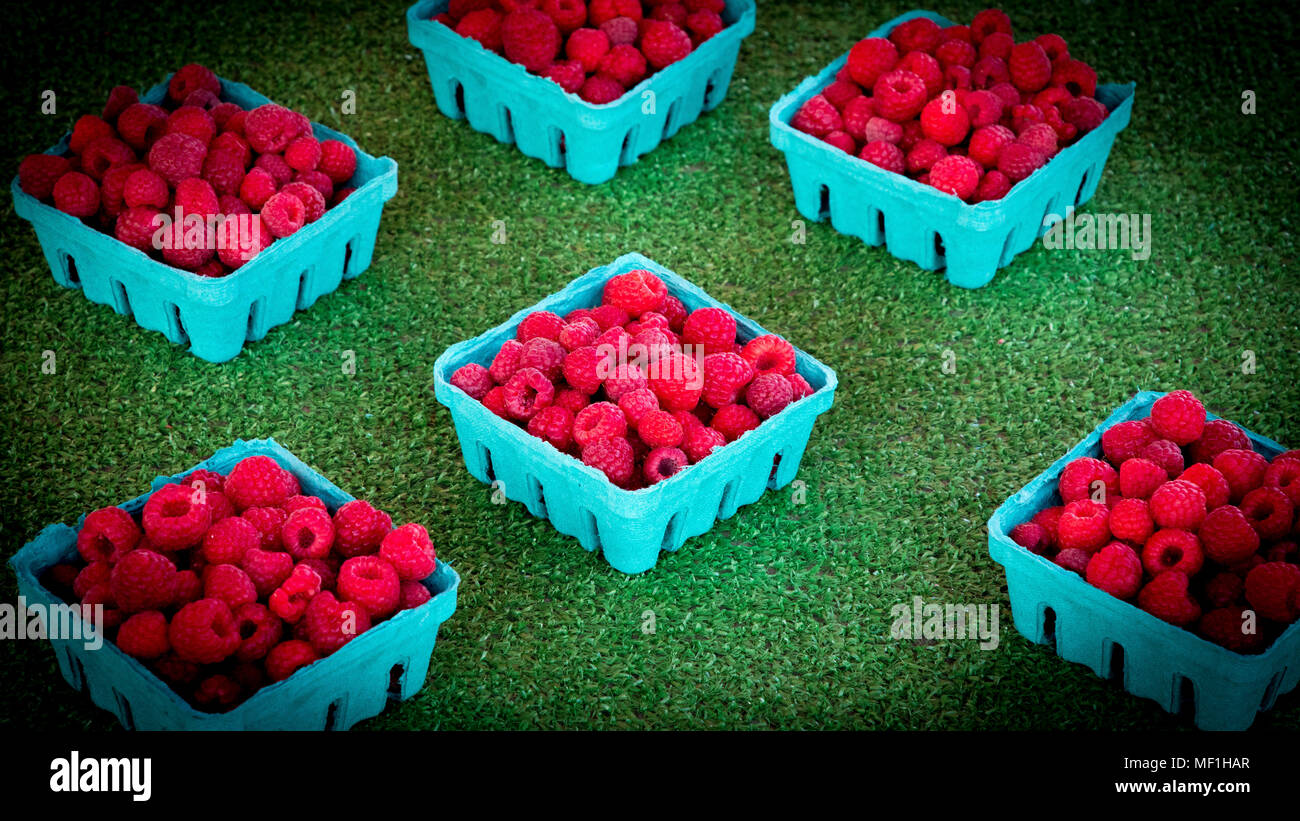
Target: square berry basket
(387,662)
(1179,670)
(921,224)
(591,141)
(629,527)
(216,316)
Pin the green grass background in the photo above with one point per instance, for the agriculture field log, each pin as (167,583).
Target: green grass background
(778,617)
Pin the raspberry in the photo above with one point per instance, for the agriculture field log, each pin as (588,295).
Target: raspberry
(725,376)
(983,109)
(283,214)
(879,129)
(712,328)
(483,25)
(1139,478)
(359,528)
(267,570)
(1084,525)
(1226,626)
(473,379)
(1074,560)
(769,354)
(1217,436)
(676,381)
(188,588)
(553,425)
(256,188)
(660,429)
(190,78)
(674,13)
(303,154)
(600,11)
(625,64)
(1269,511)
(1115,569)
(944,121)
(1273,589)
(530,38)
(1078,479)
(857,114)
(583,368)
(567,14)
(734,421)
(222,113)
(986,145)
(76,194)
(663,462)
(599,90)
(926,67)
(1284,552)
(899,95)
(258,481)
(1030,68)
(543,355)
(1130,521)
(204,632)
(993,186)
(372,583)
(769,394)
(543,324)
(495,401)
(119,98)
(1210,481)
(1076,77)
(410,552)
(1227,535)
(193,121)
(173,519)
(414,594)
(1018,161)
(870,58)
(38,173)
(956,175)
(636,404)
(286,658)
(664,44)
(224,171)
(1166,597)
(229,584)
(1283,474)
(106,533)
(612,456)
(1178,416)
(567,74)
(990,73)
(1166,455)
(587,46)
(1171,549)
(1244,470)
(527,392)
(330,624)
(308,534)
(578,333)
(228,540)
(289,600)
(86,130)
(840,92)
(917,34)
(1084,113)
(800,386)
(1050,518)
(601,420)
(94,573)
(1031,537)
(1178,504)
(144,635)
(1224,590)
(884,155)
(1041,138)
(177,157)
(700,441)
(141,124)
(635,292)
(956,52)
(621,30)
(270,128)
(506,362)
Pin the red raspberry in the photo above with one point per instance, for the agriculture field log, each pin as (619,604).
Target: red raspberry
(769,354)
(530,38)
(119,98)
(270,128)
(539,324)
(991,73)
(712,328)
(1224,590)
(1244,470)
(899,95)
(527,392)
(1050,518)
(1115,569)
(926,67)
(204,632)
(543,355)
(579,333)
(1084,113)
(86,130)
(506,362)
(193,121)
(769,394)
(224,172)
(612,456)
(258,481)
(956,175)
(725,376)
(359,528)
(983,108)
(625,64)
(664,43)
(1032,537)
(733,421)
(662,463)
(567,14)
(944,121)
(1227,535)
(587,46)
(229,584)
(1171,549)
(283,214)
(1210,481)
(956,52)
(195,196)
(1139,478)
(1284,474)
(106,533)
(924,155)
(1226,627)
(583,368)
(1217,436)
(553,425)
(1273,589)
(1040,137)
(957,77)
(38,173)
(1080,476)
(372,583)
(269,521)
(986,144)
(840,92)
(635,292)
(1076,77)
(1074,560)
(188,587)
(1178,504)
(144,635)
(191,78)
(289,600)
(1166,597)
(308,534)
(870,58)
(174,519)
(76,194)
(414,594)
(917,34)
(601,420)
(313,202)
(228,540)
(1018,161)
(473,379)
(884,155)
(601,11)
(495,401)
(483,25)
(1030,69)
(141,124)
(622,31)
(700,441)
(857,114)
(993,186)
(177,157)
(1084,525)
(259,630)
(1166,454)
(674,13)
(410,551)
(286,658)
(256,188)
(636,404)
(677,381)
(1178,416)
(660,429)
(1269,511)
(1130,520)
(93,574)
(338,161)
(267,570)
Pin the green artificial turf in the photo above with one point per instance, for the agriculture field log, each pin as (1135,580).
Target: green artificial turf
(779,617)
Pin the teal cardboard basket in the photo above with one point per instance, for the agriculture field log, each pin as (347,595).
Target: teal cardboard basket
(216,316)
(1176,668)
(921,224)
(387,662)
(629,527)
(563,130)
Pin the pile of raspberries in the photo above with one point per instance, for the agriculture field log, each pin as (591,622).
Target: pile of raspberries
(206,157)
(636,387)
(1185,519)
(965,109)
(224,584)
(597,50)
